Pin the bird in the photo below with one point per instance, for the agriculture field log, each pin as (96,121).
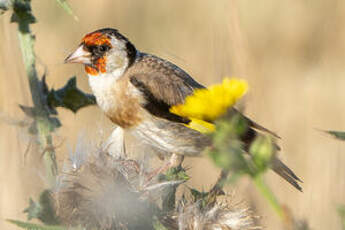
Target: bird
(136,91)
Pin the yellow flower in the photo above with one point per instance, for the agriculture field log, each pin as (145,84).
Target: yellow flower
(209,104)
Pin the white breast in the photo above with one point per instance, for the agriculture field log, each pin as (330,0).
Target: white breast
(103,87)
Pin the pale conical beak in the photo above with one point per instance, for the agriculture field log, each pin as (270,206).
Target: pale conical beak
(79,56)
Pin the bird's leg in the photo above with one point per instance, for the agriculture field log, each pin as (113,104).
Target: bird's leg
(115,145)
(174,161)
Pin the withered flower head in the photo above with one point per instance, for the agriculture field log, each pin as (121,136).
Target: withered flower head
(98,195)
(220,214)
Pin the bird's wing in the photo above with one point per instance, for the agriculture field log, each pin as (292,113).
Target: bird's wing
(164,80)
(167,89)
(163,85)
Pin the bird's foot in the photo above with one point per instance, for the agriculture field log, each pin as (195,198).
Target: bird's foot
(174,161)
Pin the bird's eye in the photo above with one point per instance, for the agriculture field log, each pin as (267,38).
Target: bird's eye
(102,48)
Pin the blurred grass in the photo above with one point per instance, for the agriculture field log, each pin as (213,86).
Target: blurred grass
(291,52)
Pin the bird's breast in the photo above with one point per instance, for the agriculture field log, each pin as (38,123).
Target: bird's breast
(117,99)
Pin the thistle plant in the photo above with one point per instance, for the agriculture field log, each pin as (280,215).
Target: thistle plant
(93,189)
(43,112)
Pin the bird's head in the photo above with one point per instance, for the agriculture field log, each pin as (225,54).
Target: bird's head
(103,51)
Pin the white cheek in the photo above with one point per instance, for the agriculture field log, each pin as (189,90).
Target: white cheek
(117,62)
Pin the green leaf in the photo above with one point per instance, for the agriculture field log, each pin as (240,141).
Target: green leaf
(31,226)
(197,195)
(42,210)
(22,14)
(44,92)
(337,134)
(53,123)
(175,174)
(205,199)
(70,97)
(33,210)
(64,5)
(29,111)
(47,214)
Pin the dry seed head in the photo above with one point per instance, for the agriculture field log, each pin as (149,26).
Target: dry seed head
(223,214)
(99,195)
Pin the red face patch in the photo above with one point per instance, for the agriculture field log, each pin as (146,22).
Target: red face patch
(96,38)
(100,66)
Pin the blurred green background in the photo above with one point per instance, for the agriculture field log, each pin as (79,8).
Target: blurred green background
(291,52)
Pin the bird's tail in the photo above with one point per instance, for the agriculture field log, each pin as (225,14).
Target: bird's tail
(285,172)
(277,166)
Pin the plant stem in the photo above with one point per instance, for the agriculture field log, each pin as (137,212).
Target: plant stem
(26,40)
(268,194)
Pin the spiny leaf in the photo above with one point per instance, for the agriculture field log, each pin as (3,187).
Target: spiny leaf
(33,210)
(197,195)
(70,97)
(29,111)
(337,134)
(64,5)
(42,210)
(176,174)
(47,214)
(22,14)
(205,199)
(31,226)
(53,123)
(44,94)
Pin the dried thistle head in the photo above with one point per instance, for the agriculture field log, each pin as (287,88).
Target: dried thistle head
(98,195)
(213,212)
